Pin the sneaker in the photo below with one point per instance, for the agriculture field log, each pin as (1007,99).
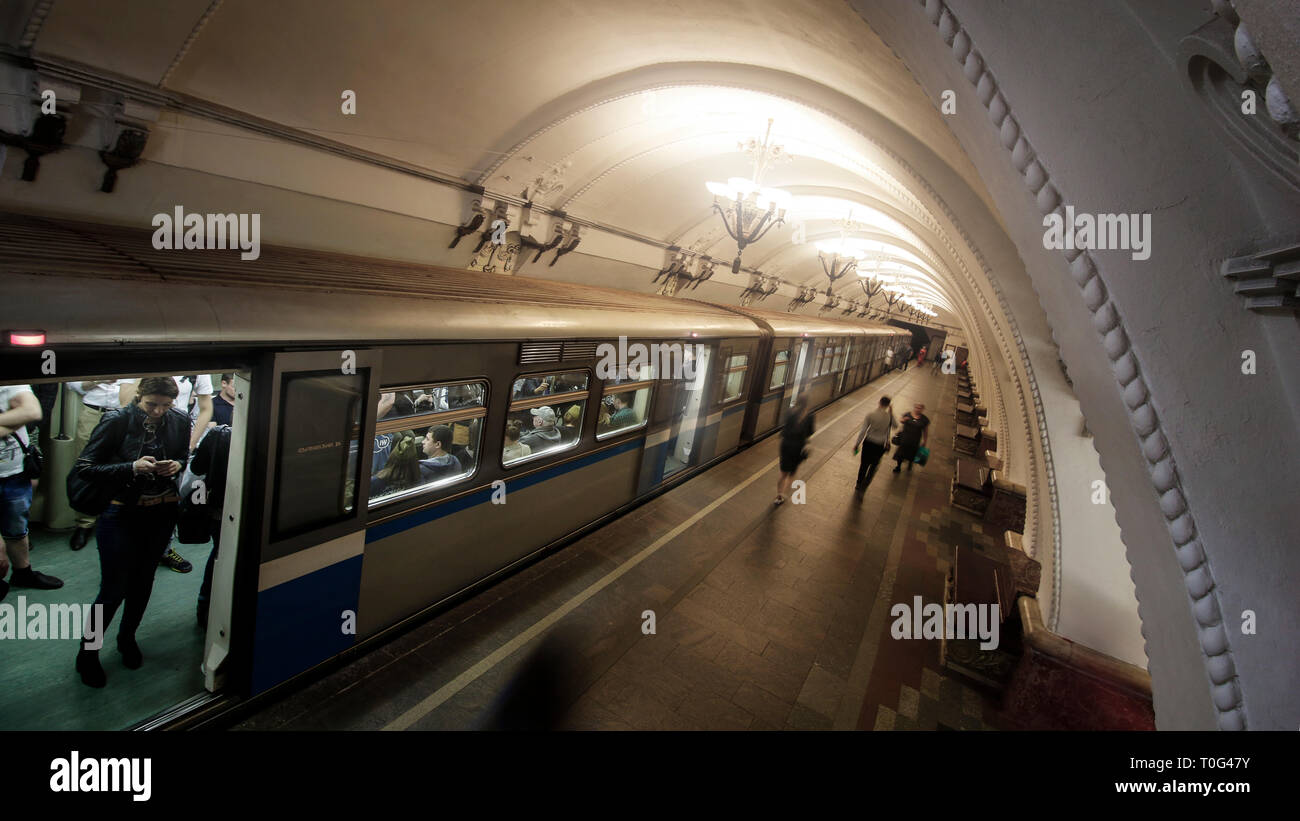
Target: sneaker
(81,536)
(175,561)
(27,577)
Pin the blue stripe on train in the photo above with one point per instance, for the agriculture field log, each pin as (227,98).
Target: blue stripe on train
(300,622)
(483,496)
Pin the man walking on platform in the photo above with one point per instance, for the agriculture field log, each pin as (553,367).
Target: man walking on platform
(873,439)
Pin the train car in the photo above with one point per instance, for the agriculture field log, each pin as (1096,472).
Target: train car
(823,358)
(403,434)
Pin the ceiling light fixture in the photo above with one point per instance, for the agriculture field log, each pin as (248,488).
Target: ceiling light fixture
(752,210)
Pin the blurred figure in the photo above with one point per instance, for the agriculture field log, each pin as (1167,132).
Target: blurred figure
(794,436)
(920,357)
(542,691)
(915,434)
(874,441)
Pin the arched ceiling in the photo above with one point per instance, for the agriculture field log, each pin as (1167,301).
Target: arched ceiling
(501,94)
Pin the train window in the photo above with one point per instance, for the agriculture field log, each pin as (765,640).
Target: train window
(734,376)
(427,436)
(545,416)
(549,384)
(315,478)
(623,408)
(779,366)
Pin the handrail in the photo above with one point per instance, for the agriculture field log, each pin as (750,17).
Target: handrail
(1085,659)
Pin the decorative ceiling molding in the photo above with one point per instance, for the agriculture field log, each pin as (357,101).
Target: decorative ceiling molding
(1228,698)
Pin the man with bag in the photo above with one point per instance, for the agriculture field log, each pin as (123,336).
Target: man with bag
(18,407)
(873,439)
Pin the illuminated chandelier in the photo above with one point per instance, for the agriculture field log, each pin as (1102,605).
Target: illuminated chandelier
(751,210)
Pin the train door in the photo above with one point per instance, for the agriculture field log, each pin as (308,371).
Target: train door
(688,404)
(800,370)
(309,539)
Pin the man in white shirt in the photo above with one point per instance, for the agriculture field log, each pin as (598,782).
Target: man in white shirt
(18,408)
(97,398)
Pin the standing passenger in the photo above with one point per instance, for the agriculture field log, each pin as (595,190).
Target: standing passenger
(211,458)
(794,436)
(223,404)
(18,408)
(874,441)
(139,451)
(920,357)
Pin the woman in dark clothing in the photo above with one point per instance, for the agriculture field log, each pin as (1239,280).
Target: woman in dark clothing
(794,436)
(915,434)
(140,451)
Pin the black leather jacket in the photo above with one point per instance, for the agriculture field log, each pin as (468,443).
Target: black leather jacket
(116,443)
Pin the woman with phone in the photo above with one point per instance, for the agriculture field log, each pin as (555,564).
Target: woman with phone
(138,453)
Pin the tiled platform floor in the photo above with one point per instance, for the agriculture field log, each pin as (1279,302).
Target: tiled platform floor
(766,617)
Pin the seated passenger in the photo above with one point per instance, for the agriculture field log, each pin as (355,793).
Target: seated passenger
(514,451)
(544,435)
(441,464)
(401,470)
(623,416)
(569,431)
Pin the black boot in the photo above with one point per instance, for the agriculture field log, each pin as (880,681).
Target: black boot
(81,536)
(132,658)
(92,674)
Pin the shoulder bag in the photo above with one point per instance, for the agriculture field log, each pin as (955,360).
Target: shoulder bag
(93,497)
(33,459)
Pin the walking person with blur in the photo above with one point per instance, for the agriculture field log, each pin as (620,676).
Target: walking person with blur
(873,440)
(794,439)
(915,434)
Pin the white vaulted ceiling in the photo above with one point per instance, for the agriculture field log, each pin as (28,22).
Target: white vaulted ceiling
(500,93)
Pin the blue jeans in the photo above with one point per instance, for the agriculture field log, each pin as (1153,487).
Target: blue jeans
(131,541)
(15,501)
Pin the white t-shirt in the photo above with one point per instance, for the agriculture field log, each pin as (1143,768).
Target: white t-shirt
(11,455)
(182,403)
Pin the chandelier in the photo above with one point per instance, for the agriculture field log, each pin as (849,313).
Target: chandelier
(751,210)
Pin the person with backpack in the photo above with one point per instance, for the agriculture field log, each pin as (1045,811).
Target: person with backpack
(127,475)
(794,436)
(873,439)
(194,399)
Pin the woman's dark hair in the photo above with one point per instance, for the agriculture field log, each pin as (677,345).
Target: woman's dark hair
(156,386)
(403,468)
(513,429)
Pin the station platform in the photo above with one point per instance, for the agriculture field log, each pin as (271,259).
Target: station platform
(765,617)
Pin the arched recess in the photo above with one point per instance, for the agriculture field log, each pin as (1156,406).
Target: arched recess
(1003,358)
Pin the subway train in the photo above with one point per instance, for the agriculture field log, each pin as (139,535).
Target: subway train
(372,480)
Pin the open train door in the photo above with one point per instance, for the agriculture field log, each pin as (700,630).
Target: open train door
(295,583)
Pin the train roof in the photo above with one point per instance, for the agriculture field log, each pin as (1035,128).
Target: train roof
(797,325)
(80,282)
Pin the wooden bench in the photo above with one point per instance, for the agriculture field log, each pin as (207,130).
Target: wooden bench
(971,491)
